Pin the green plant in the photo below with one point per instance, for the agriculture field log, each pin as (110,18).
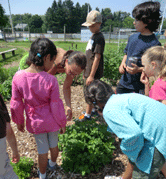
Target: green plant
(112,61)
(23,168)
(6,76)
(87,146)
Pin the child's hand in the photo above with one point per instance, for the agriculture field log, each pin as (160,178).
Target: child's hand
(89,80)
(132,70)
(69,114)
(20,127)
(144,79)
(122,68)
(15,157)
(62,130)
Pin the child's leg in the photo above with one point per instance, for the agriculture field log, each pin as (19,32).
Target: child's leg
(128,172)
(54,153)
(42,147)
(89,109)
(53,144)
(42,159)
(164,170)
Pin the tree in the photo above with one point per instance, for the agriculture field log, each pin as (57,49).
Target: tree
(3,18)
(128,22)
(35,23)
(164,24)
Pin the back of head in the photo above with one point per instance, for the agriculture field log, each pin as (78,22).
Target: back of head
(157,54)
(77,57)
(40,48)
(149,13)
(98,92)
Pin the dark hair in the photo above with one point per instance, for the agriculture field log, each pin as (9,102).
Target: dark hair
(39,49)
(148,13)
(76,57)
(98,92)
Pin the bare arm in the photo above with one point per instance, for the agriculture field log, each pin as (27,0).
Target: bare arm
(145,80)
(12,142)
(122,66)
(67,95)
(56,66)
(94,68)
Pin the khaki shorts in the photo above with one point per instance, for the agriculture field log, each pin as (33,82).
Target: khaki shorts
(157,164)
(45,141)
(6,170)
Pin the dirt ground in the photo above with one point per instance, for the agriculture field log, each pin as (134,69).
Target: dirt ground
(27,146)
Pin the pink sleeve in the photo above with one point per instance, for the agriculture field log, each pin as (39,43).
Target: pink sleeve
(56,104)
(157,92)
(16,105)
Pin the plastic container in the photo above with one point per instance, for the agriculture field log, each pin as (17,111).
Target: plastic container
(132,60)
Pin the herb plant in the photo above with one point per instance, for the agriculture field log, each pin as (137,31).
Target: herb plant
(87,146)
(23,168)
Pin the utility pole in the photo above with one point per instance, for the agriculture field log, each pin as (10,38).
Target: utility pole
(162,20)
(64,33)
(11,22)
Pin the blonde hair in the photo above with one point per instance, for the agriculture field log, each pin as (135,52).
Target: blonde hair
(158,54)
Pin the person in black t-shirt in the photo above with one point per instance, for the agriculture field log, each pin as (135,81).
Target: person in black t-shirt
(94,54)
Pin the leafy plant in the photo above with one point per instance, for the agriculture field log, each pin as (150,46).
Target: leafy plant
(112,61)
(23,168)
(87,146)
(6,76)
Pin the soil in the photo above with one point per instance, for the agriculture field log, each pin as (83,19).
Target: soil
(27,146)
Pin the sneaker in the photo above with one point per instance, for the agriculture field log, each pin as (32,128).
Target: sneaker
(39,174)
(112,177)
(85,119)
(49,167)
(93,113)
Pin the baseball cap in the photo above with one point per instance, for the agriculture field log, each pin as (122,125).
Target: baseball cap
(92,17)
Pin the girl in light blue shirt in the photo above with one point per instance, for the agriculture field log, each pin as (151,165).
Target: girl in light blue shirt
(139,121)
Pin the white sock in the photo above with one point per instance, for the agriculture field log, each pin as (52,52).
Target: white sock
(87,115)
(93,110)
(43,176)
(51,163)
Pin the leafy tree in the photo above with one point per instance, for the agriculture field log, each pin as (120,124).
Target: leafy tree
(164,24)
(35,23)
(128,22)
(3,18)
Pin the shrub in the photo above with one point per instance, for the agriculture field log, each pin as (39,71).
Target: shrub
(112,61)
(23,168)
(87,146)
(6,81)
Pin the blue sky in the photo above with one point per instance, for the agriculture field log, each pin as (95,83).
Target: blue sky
(40,6)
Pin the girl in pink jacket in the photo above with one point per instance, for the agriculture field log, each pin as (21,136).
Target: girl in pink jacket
(37,92)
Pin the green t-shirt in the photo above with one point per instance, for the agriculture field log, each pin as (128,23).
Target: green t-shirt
(23,64)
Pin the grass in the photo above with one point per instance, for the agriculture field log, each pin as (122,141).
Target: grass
(9,57)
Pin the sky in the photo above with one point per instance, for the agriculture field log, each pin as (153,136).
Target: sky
(40,6)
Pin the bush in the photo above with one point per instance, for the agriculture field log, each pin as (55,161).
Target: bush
(87,146)
(6,81)
(23,168)
(112,61)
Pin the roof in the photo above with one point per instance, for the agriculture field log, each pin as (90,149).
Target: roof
(20,26)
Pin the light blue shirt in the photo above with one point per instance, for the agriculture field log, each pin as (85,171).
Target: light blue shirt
(134,118)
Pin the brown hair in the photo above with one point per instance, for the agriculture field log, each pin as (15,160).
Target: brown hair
(158,54)
(77,57)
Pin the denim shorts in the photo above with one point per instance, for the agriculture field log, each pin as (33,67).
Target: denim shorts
(157,164)
(45,141)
